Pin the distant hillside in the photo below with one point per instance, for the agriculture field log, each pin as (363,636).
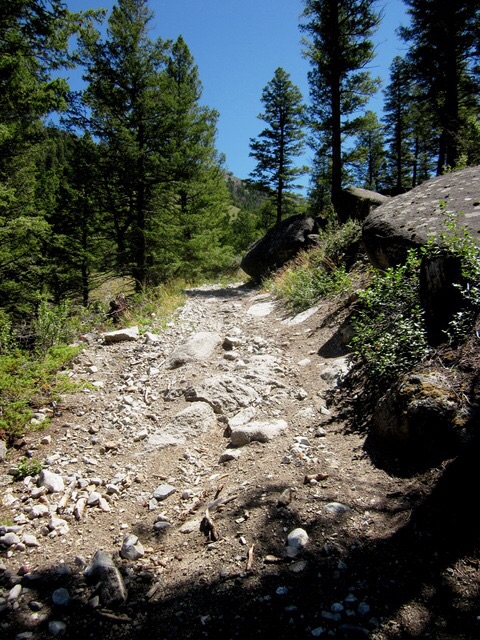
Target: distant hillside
(243,195)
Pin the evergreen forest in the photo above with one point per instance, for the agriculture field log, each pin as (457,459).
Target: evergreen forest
(124,180)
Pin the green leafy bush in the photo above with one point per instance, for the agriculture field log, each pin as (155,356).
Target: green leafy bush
(459,243)
(28,467)
(390,335)
(390,332)
(28,382)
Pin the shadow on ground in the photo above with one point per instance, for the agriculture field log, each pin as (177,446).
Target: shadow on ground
(419,581)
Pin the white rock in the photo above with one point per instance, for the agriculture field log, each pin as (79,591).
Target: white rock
(37,511)
(296,541)
(121,335)
(51,481)
(261,309)
(163,491)
(257,431)
(199,346)
(59,525)
(30,540)
(14,592)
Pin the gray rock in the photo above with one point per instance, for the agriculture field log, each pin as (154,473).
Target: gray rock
(51,481)
(356,203)
(335,370)
(3,450)
(59,525)
(61,597)
(121,335)
(14,592)
(9,539)
(132,548)
(257,431)
(229,454)
(102,569)
(195,419)
(163,491)
(280,244)
(57,627)
(408,220)
(225,394)
(199,346)
(297,540)
(37,511)
(336,508)
(420,410)
(30,540)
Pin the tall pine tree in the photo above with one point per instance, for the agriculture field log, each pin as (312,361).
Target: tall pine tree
(443,37)
(339,47)
(281,142)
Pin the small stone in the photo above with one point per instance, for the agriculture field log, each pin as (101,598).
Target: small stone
(93,499)
(51,481)
(296,541)
(9,539)
(30,540)
(132,548)
(229,454)
(58,525)
(61,597)
(163,491)
(57,627)
(336,507)
(37,511)
(14,592)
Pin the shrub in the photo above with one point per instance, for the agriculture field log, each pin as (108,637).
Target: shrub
(389,326)
(319,272)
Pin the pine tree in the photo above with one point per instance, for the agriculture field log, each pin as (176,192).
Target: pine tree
(443,37)
(34,39)
(370,162)
(339,47)
(127,113)
(195,195)
(277,146)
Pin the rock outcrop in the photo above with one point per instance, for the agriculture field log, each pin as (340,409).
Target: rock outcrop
(357,203)
(279,245)
(408,220)
(421,412)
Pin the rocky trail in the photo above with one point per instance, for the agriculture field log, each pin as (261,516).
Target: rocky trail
(207,485)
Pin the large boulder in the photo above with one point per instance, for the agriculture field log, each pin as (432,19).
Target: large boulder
(408,220)
(421,411)
(357,203)
(279,245)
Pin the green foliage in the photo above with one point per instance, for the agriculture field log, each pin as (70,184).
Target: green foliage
(281,141)
(27,382)
(390,335)
(28,467)
(7,341)
(459,243)
(319,272)
(52,325)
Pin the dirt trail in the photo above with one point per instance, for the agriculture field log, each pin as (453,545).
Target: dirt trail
(148,448)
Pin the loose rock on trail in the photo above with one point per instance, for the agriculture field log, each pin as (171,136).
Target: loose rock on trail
(204,486)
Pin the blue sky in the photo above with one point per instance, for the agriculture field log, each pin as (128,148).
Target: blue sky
(237,46)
